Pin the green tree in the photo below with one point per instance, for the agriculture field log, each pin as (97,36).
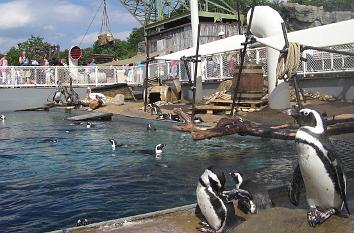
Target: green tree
(136,36)
(32,46)
(121,49)
(13,55)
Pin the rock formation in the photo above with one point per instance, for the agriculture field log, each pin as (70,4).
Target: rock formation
(300,17)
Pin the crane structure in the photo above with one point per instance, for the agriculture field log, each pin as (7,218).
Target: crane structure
(153,11)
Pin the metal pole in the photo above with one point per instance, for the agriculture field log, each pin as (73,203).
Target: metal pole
(146,71)
(243,54)
(238,16)
(195,74)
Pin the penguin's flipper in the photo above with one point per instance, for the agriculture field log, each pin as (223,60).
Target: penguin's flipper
(341,181)
(296,186)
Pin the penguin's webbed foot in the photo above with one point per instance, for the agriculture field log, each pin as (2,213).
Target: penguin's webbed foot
(205,227)
(316,217)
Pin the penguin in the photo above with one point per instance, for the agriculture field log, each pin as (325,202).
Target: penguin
(319,170)
(150,127)
(256,196)
(158,149)
(82,222)
(155,110)
(114,144)
(89,125)
(163,116)
(198,120)
(156,152)
(174,117)
(217,211)
(2,117)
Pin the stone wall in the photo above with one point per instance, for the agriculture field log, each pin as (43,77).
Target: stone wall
(300,16)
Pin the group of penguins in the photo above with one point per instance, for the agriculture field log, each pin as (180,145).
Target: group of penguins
(156,110)
(319,173)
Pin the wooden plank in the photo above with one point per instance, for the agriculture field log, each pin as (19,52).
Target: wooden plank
(94,116)
(238,102)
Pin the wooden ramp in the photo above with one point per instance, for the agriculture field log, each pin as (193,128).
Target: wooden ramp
(94,116)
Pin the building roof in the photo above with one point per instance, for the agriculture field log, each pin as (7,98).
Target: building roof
(132,60)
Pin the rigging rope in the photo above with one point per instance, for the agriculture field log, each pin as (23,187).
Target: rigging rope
(91,23)
(289,63)
(105,26)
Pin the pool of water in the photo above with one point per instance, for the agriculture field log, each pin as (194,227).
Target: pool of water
(53,173)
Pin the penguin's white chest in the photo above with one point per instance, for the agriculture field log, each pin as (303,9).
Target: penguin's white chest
(207,208)
(320,190)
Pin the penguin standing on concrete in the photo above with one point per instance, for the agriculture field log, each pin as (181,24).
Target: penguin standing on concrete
(319,170)
(217,211)
(250,196)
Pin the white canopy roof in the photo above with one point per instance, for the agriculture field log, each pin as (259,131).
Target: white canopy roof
(223,45)
(322,36)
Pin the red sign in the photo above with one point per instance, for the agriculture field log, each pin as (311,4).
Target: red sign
(75,52)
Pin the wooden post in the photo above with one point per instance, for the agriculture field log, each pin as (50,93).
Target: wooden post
(146,71)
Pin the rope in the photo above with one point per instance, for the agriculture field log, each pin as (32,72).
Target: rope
(289,63)
(90,23)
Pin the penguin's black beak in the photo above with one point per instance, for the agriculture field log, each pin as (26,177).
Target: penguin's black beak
(295,113)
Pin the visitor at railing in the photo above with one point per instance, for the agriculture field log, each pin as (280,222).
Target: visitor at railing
(3,70)
(24,74)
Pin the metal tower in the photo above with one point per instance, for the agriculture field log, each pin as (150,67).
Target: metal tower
(154,11)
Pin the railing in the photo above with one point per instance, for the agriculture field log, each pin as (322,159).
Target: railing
(216,67)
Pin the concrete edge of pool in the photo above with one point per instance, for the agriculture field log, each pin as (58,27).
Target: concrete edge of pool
(119,117)
(115,223)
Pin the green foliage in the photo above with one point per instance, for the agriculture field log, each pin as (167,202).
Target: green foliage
(30,46)
(329,5)
(121,49)
(13,55)
(136,36)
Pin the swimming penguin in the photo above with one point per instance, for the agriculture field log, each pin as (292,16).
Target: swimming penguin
(158,149)
(257,194)
(217,211)
(2,117)
(150,127)
(82,222)
(114,144)
(89,125)
(156,152)
(319,170)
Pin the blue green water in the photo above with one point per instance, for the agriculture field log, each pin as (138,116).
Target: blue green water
(49,178)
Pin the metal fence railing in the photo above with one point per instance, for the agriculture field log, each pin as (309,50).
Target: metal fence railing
(216,67)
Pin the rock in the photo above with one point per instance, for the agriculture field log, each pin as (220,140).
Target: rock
(117,100)
(94,104)
(283,220)
(302,17)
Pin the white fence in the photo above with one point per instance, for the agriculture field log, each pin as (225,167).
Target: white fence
(216,67)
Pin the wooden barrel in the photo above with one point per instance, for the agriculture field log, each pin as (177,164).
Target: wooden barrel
(251,78)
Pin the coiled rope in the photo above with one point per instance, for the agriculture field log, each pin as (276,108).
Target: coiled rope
(289,63)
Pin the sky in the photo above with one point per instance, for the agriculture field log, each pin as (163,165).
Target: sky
(62,22)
